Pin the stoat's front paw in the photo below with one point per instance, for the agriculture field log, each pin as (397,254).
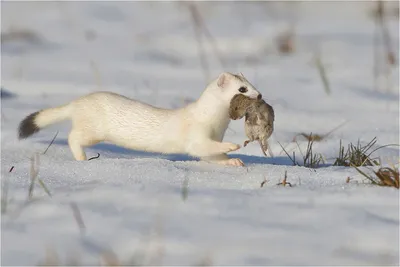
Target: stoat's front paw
(233,162)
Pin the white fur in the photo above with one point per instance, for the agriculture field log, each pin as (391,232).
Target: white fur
(197,129)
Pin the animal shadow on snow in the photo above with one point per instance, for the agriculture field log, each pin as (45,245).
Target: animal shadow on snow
(113,150)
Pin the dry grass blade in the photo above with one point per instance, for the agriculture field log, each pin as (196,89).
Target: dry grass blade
(310,159)
(202,26)
(206,261)
(78,216)
(322,74)
(381,16)
(388,177)
(318,137)
(20,35)
(197,29)
(264,182)
(33,173)
(385,176)
(51,259)
(292,159)
(43,185)
(285,42)
(358,155)
(34,176)
(376,149)
(110,258)
(4,193)
(389,60)
(284,181)
(52,141)
(185,188)
(95,157)
(310,137)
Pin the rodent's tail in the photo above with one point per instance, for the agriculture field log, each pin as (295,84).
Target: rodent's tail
(36,121)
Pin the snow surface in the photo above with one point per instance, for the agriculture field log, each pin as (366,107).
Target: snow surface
(133,203)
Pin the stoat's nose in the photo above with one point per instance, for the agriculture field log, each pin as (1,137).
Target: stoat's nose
(259,96)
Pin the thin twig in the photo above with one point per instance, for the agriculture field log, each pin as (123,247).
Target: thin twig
(322,74)
(78,216)
(197,30)
(95,157)
(294,162)
(54,138)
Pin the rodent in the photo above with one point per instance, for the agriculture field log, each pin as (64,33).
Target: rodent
(196,129)
(259,120)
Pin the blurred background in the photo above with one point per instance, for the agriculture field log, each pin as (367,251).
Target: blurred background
(166,44)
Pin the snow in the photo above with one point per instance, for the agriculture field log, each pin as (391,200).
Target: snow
(135,203)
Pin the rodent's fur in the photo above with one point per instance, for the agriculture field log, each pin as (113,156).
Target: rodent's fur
(196,129)
(259,121)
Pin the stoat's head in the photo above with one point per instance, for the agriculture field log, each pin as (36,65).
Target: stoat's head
(232,84)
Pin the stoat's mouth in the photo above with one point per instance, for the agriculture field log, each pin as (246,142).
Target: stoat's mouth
(255,95)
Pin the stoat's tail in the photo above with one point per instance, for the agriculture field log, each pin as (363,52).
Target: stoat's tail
(40,119)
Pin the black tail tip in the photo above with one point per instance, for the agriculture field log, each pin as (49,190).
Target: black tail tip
(27,127)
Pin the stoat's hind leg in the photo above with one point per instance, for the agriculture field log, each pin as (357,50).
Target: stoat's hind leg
(77,140)
(208,148)
(223,159)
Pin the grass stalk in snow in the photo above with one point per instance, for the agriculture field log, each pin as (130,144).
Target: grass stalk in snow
(263,182)
(381,20)
(322,74)
(4,193)
(52,141)
(287,154)
(185,188)
(285,42)
(78,216)
(358,155)
(380,16)
(200,46)
(34,171)
(95,157)
(284,181)
(385,176)
(310,159)
(199,28)
(318,137)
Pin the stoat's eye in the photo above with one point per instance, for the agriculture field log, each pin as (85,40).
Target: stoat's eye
(243,89)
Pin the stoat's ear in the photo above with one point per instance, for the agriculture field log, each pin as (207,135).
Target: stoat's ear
(223,80)
(241,74)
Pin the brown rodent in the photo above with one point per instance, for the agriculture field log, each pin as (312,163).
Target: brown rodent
(259,120)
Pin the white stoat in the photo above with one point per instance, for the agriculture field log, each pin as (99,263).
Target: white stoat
(196,129)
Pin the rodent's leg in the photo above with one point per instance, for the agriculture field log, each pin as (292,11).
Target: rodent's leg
(263,147)
(223,159)
(210,147)
(246,142)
